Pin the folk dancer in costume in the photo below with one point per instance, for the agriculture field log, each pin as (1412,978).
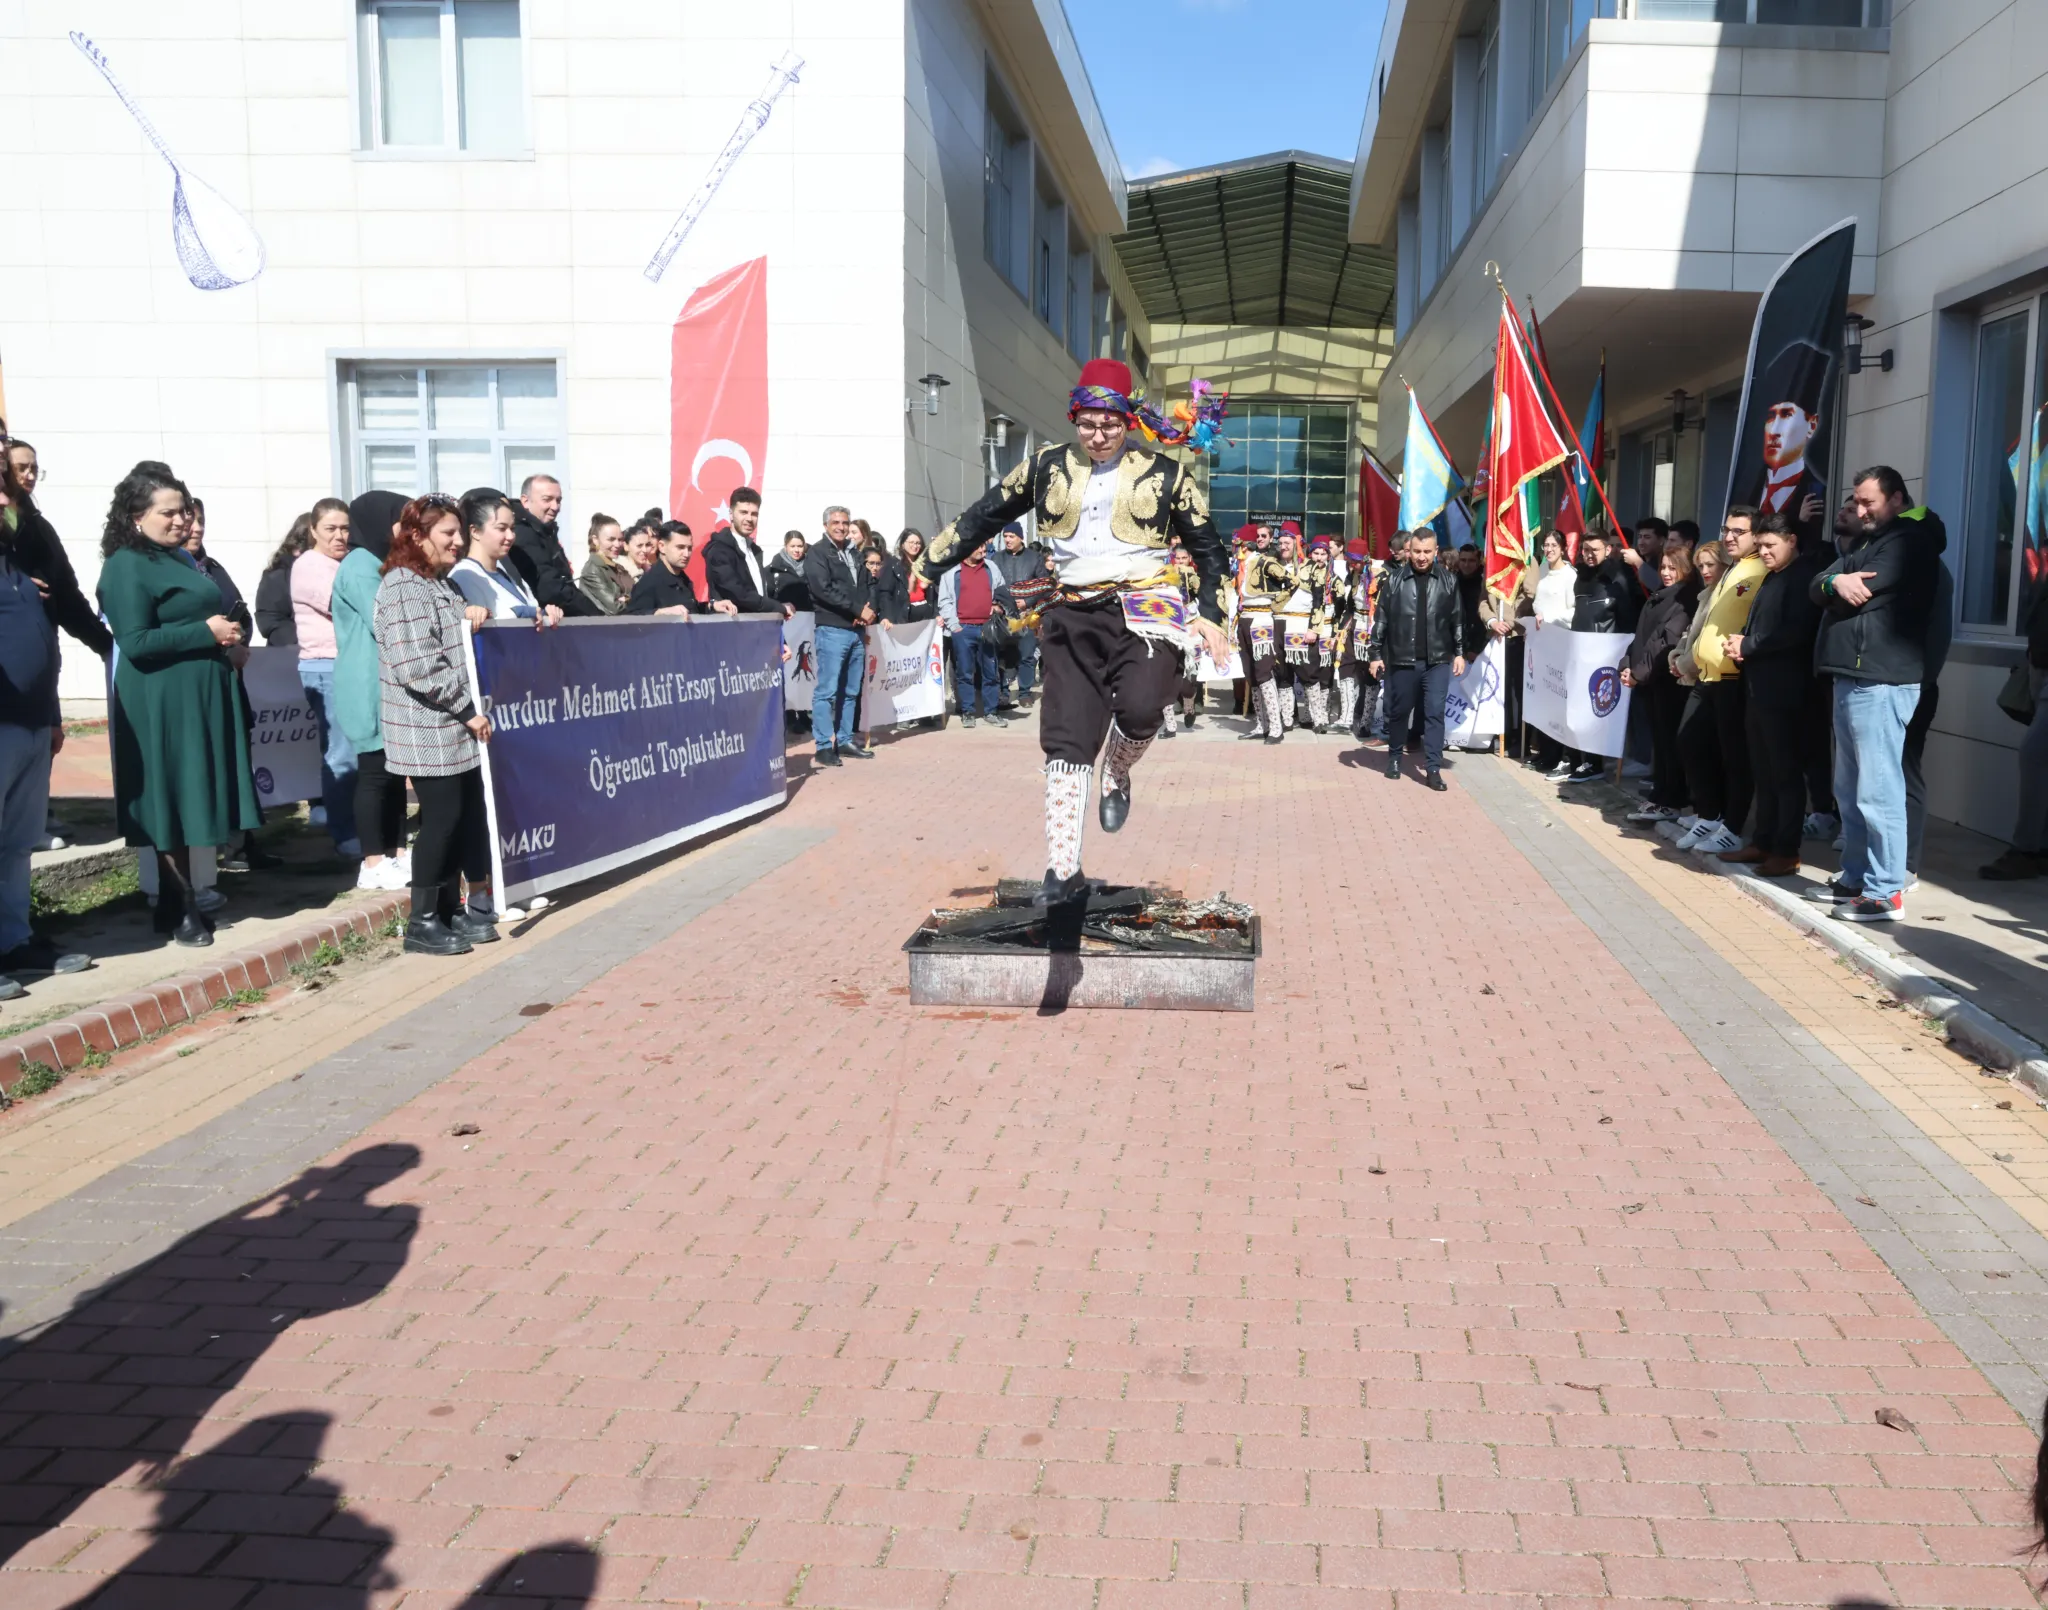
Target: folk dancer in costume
(1326,573)
(1110,638)
(1187,696)
(1356,691)
(1265,582)
(1294,612)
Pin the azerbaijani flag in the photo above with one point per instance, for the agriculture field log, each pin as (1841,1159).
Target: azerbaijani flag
(1592,460)
(1429,479)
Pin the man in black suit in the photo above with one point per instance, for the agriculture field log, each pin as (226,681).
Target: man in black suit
(733,567)
(537,548)
(1786,481)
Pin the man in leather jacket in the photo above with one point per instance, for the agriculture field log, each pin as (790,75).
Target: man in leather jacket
(1606,597)
(1420,640)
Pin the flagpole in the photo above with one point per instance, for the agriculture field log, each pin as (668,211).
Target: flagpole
(1614,520)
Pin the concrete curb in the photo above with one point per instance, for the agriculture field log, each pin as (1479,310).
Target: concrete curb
(1971,1029)
(130,1019)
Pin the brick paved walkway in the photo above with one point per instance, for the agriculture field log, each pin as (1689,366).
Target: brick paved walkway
(759,1286)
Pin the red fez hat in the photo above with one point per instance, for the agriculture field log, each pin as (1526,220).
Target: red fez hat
(1246,533)
(1355,548)
(1292,529)
(1108,374)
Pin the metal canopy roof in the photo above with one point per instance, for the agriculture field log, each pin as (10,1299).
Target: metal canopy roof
(1257,242)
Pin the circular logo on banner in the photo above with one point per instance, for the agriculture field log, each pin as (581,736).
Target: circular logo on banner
(1489,681)
(265,783)
(1605,688)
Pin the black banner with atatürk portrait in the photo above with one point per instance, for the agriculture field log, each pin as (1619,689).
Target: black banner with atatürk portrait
(1788,394)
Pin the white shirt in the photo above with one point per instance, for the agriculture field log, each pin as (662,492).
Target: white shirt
(502,591)
(1556,594)
(746,549)
(1779,487)
(1094,554)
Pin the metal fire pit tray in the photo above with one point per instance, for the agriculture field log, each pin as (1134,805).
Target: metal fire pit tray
(1131,947)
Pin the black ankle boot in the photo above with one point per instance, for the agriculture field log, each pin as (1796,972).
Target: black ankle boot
(430,936)
(178,921)
(1059,891)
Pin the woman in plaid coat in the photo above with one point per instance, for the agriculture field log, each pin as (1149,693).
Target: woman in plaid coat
(432,728)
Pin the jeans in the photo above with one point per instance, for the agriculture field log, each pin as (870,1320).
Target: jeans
(835,703)
(1419,692)
(977,667)
(1027,662)
(1870,782)
(337,754)
(24,801)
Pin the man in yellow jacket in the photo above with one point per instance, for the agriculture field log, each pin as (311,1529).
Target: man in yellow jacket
(1711,737)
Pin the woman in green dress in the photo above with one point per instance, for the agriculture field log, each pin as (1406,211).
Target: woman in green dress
(181,730)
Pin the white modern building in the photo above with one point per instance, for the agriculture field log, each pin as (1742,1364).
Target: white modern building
(1638,168)
(438,218)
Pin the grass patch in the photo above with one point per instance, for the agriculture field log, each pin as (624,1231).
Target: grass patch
(96,1058)
(241,997)
(36,1077)
(58,893)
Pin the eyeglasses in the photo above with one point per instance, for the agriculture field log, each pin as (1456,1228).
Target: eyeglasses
(1113,428)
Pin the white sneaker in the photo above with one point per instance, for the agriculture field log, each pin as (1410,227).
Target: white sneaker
(50,841)
(1699,830)
(539,902)
(1654,813)
(387,876)
(208,901)
(1719,840)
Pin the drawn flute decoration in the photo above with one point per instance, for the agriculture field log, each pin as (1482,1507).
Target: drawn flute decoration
(755,118)
(217,247)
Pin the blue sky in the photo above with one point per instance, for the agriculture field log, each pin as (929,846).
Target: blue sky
(1185,83)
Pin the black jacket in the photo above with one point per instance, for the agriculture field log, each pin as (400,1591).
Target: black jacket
(274,617)
(1447,631)
(232,603)
(39,553)
(1886,639)
(890,593)
(1606,597)
(786,582)
(1777,642)
(726,574)
(838,583)
(538,557)
(1660,629)
(660,588)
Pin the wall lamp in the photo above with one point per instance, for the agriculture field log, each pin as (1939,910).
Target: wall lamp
(1853,361)
(999,430)
(933,385)
(1682,412)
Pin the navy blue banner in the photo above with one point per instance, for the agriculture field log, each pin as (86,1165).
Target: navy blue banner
(615,739)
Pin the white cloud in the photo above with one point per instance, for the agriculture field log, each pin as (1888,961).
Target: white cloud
(1152,168)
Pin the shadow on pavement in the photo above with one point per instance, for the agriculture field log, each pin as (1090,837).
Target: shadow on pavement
(129,1373)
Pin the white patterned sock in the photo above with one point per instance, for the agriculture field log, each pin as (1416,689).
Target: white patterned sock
(1066,807)
(1119,756)
(1269,702)
(1318,705)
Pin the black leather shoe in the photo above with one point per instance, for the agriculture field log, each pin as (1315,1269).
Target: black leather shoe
(1394,763)
(1436,781)
(430,936)
(1059,891)
(1276,737)
(477,930)
(859,751)
(829,757)
(1114,807)
(192,930)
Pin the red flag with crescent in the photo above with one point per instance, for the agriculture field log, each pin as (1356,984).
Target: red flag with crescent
(718,400)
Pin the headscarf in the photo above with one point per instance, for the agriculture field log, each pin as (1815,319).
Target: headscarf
(370,519)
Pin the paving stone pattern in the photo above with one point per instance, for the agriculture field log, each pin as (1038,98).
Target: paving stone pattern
(759,1286)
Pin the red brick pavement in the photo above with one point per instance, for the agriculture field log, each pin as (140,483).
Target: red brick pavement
(772,1289)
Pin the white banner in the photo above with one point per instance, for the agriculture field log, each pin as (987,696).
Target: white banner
(284,736)
(906,678)
(1571,687)
(800,670)
(1476,708)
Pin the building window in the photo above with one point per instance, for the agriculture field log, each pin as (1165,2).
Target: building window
(1004,186)
(1486,136)
(449,427)
(438,76)
(1284,461)
(1049,256)
(2004,544)
(1443,204)
(1555,26)
(1080,323)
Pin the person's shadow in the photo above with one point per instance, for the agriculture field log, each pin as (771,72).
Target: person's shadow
(248,1521)
(128,1374)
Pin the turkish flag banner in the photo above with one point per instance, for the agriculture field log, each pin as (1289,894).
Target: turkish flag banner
(1379,506)
(1525,444)
(718,400)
